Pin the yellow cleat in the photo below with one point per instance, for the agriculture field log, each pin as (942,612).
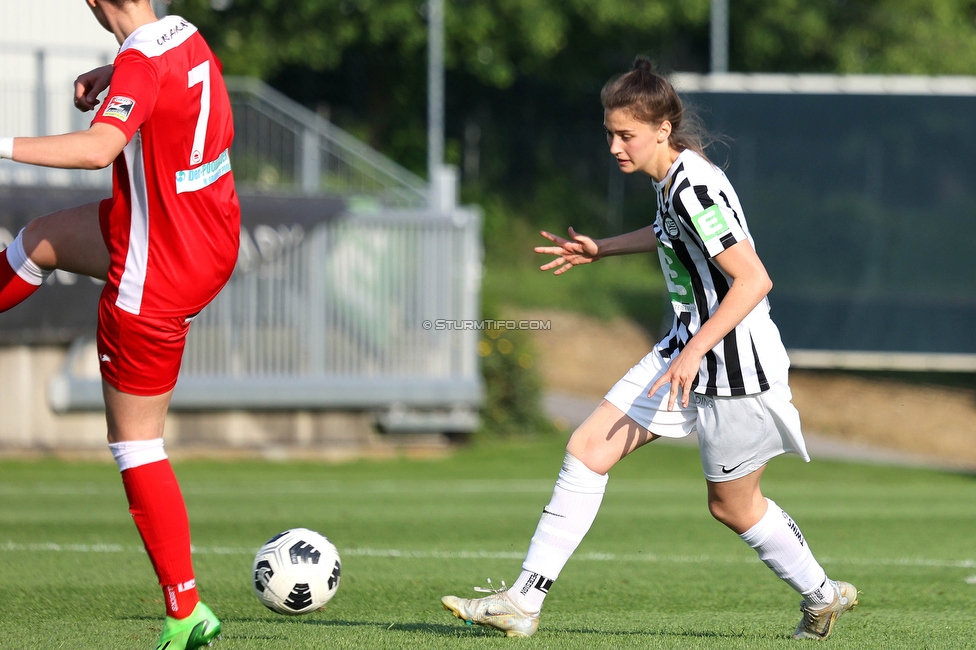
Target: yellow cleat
(497,611)
(818,623)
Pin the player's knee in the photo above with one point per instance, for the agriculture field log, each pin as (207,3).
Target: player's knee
(580,447)
(717,510)
(585,456)
(736,514)
(33,237)
(724,512)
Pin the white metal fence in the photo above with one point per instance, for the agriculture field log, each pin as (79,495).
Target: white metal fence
(349,297)
(280,144)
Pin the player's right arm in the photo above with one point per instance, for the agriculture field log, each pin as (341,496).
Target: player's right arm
(95,148)
(134,91)
(637,241)
(581,249)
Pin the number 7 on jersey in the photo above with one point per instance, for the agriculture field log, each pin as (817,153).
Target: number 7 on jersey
(200,75)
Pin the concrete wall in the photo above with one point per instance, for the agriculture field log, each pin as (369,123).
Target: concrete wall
(28,426)
(26,422)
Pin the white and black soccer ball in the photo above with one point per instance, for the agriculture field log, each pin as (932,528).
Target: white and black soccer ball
(296,572)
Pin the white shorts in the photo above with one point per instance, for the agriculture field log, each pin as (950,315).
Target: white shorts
(736,435)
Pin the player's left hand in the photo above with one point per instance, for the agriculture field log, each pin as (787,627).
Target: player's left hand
(88,87)
(681,375)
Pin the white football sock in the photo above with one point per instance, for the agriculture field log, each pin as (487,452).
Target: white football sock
(135,453)
(529,591)
(23,265)
(822,595)
(565,521)
(783,549)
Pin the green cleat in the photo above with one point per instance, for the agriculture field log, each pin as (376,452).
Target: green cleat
(195,631)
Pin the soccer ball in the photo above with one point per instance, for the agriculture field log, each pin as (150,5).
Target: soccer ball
(296,572)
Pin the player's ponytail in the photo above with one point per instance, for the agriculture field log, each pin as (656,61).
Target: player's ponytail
(651,98)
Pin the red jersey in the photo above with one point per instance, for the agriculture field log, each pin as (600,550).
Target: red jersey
(172,226)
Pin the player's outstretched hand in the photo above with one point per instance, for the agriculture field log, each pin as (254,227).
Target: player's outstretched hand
(89,86)
(580,249)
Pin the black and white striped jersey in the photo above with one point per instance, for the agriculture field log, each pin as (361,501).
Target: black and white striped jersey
(698,217)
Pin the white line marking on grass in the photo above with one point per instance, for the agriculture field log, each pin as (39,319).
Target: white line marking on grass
(651,557)
(971,580)
(440,555)
(67,548)
(902,561)
(301,488)
(52,547)
(365,487)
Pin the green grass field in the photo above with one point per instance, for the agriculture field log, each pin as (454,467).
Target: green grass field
(655,572)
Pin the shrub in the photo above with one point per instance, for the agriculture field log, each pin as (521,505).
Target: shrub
(513,404)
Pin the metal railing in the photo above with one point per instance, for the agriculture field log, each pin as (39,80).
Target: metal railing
(280,144)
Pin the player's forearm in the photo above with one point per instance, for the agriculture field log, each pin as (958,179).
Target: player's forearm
(638,241)
(92,149)
(743,296)
(68,151)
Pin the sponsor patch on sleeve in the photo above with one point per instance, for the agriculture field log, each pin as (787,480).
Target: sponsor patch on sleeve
(119,107)
(710,223)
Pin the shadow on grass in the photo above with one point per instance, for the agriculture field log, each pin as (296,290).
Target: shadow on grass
(441,629)
(697,634)
(475,631)
(461,631)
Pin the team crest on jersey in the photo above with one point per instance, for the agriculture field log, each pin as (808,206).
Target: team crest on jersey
(119,107)
(671,226)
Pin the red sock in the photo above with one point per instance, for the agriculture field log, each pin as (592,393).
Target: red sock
(157,507)
(13,288)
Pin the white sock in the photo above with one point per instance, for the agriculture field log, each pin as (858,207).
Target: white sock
(134,453)
(22,265)
(822,595)
(530,590)
(783,549)
(565,521)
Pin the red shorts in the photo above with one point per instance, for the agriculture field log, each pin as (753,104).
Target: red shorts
(140,355)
